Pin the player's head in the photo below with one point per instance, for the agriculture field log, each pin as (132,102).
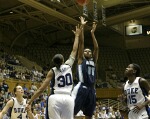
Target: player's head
(133,69)
(58,60)
(87,53)
(18,91)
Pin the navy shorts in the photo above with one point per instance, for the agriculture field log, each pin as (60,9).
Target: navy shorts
(85,99)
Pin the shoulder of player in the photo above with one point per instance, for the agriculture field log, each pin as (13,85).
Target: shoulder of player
(51,71)
(50,74)
(10,103)
(143,82)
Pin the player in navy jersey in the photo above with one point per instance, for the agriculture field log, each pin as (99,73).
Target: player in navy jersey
(136,93)
(17,106)
(84,92)
(60,104)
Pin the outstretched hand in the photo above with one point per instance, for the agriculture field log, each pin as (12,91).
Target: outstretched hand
(82,19)
(78,30)
(93,27)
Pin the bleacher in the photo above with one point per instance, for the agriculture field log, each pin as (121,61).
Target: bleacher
(113,103)
(141,57)
(116,57)
(44,55)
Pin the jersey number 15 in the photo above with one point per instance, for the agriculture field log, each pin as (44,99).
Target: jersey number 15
(132,99)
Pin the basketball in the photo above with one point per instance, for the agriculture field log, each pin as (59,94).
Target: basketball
(82,2)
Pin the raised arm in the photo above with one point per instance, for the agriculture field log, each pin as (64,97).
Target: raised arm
(81,42)
(71,59)
(96,47)
(5,109)
(42,88)
(76,41)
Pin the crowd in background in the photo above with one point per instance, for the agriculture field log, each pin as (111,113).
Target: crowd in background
(38,106)
(103,111)
(8,71)
(9,64)
(113,80)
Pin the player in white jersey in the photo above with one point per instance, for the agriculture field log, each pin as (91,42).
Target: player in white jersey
(60,104)
(136,93)
(17,106)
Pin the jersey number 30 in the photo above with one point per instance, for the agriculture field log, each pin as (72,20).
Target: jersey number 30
(65,80)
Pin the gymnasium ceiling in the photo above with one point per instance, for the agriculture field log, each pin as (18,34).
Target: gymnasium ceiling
(40,18)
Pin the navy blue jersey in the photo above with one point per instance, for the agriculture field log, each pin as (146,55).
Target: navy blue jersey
(86,72)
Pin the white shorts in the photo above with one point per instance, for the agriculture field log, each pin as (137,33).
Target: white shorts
(141,115)
(61,106)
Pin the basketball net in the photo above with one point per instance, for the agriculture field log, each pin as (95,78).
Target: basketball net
(103,16)
(95,14)
(85,10)
(95,17)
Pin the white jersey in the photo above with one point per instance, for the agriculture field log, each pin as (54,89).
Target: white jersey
(62,83)
(18,110)
(135,95)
